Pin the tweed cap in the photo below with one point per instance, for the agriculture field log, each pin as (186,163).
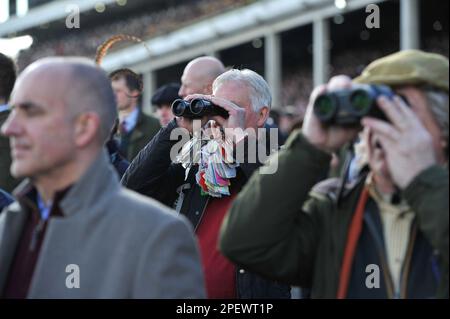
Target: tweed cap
(409,67)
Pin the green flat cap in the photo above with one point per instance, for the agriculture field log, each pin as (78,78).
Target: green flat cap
(409,67)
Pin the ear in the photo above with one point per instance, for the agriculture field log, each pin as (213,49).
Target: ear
(87,129)
(262,116)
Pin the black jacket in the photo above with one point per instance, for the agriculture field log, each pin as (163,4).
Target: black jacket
(117,160)
(152,173)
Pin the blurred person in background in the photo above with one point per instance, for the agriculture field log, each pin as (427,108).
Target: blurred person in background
(136,129)
(199,75)
(163,99)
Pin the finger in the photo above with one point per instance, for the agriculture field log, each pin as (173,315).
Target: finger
(197,96)
(408,113)
(339,82)
(386,143)
(318,90)
(393,112)
(381,127)
(225,104)
(220,120)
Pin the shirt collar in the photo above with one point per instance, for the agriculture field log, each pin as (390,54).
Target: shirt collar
(4,107)
(385,201)
(131,120)
(29,197)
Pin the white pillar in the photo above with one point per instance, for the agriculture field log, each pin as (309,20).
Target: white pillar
(4,10)
(409,25)
(149,82)
(273,67)
(21,7)
(321,53)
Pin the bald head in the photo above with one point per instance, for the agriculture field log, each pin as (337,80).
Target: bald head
(199,74)
(62,111)
(76,83)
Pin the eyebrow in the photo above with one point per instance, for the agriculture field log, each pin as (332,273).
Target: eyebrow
(27,105)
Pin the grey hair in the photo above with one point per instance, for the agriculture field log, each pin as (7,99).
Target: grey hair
(439,104)
(260,95)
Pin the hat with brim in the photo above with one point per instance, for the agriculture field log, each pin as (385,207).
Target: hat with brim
(409,67)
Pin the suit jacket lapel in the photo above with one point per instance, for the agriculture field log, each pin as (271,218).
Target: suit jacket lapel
(11,224)
(137,133)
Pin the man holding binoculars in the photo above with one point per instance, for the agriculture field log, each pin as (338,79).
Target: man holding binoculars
(383,235)
(204,191)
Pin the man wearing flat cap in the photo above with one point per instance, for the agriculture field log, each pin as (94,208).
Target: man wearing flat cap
(163,99)
(382,235)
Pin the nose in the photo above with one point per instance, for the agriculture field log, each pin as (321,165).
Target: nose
(11,127)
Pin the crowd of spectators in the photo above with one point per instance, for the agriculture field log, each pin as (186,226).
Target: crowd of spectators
(84,42)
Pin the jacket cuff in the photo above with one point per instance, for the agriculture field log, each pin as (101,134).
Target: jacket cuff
(429,179)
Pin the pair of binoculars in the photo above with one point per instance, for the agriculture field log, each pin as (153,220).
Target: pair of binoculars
(197,108)
(348,106)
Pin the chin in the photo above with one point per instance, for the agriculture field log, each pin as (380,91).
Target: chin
(20,170)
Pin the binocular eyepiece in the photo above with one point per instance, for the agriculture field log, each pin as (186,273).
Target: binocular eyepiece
(348,106)
(197,108)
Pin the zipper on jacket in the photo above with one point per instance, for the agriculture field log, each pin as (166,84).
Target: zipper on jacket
(37,232)
(201,216)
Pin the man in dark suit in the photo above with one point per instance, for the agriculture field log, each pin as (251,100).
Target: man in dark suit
(136,129)
(7,79)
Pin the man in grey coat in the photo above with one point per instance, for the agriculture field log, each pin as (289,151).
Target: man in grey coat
(74,232)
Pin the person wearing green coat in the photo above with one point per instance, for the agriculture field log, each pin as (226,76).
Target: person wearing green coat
(383,234)
(136,129)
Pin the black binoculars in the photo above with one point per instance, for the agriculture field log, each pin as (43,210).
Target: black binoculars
(197,108)
(348,106)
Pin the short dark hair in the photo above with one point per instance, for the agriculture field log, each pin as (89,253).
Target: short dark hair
(7,76)
(132,79)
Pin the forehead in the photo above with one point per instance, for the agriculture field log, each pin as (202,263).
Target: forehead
(119,82)
(234,91)
(41,89)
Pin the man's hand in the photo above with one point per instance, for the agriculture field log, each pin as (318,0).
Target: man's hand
(235,120)
(332,138)
(407,144)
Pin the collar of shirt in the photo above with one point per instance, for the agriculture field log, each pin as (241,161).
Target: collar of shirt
(43,208)
(385,201)
(131,120)
(4,107)
(29,197)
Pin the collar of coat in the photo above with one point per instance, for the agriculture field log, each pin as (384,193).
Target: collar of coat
(90,191)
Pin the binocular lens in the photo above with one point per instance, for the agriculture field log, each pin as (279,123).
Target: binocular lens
(361,102)
(178,107)
(324,107)
(197,106)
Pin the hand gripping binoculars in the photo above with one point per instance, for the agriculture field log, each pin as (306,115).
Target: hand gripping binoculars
(197,108)
(347,107)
